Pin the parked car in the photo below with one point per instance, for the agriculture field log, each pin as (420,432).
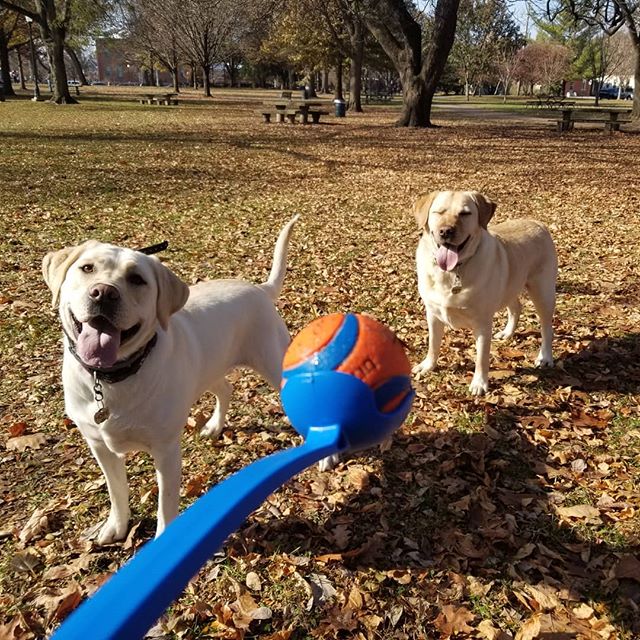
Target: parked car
(609,93)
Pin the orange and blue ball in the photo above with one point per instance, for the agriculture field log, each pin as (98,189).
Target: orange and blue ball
(356,345)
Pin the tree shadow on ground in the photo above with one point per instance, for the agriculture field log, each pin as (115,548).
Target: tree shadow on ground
(610,364)
(448,504)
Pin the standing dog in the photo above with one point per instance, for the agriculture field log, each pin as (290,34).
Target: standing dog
(467,273)
(141,347)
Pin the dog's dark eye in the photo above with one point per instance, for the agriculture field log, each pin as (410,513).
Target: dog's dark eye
(87,268)
(465,213)
(136,279)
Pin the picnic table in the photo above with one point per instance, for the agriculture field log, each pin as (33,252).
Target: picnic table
(159,98)
(286,110)
(611,117)
(549,102)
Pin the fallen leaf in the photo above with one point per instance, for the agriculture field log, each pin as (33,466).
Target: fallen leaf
(452,620)
(530,629)
(17,429)
(628,567)
(322,589)
(253,581)
(579,511)
(32,441)
(25,561)
(583,611)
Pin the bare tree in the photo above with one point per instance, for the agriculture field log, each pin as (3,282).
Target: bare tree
(543,63)
(155,32)
(203,29)
(399,33)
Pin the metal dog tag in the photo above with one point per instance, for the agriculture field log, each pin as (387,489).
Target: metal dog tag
(457,284)
(101,415)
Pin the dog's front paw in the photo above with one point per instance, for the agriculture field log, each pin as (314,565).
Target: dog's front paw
(329,463)
(212,429)
(424,367)
(543,361)
(478,386)
(112,531)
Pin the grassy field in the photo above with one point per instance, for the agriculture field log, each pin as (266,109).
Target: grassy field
(516,515)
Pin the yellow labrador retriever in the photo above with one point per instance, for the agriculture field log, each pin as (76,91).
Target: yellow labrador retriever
(468,272)
(141,347)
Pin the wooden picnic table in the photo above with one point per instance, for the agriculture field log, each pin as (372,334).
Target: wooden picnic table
(549,102)
(609,116)
(158,98)
(289,108)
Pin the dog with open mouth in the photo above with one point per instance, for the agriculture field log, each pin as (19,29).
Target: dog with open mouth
(140,348)
(468,271)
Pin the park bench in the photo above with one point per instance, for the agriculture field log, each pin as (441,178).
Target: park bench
(315,115)
(611,119)
(609,125)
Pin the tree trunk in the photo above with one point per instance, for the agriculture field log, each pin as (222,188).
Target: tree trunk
(355,70)
(338,92)
(325,81)
(76,65)
(635,113)
(206,80)
(416,102)
(4,65)
(23,86)
(176,79)
(54,40)
(398,33)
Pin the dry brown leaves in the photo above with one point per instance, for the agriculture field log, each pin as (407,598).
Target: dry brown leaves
(511,517)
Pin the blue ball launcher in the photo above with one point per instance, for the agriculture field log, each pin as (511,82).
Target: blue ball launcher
(334,412)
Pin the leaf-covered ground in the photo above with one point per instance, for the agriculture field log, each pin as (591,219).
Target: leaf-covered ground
(513,516)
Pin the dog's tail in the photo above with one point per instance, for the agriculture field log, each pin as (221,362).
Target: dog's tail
(274,284)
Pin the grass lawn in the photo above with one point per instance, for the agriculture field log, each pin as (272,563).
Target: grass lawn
(516,515)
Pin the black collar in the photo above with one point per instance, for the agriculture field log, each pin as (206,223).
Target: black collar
(120,370)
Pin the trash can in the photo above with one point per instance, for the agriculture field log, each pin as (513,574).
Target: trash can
(341,108)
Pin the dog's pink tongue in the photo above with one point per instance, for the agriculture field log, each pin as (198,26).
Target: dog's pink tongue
(98,344)
(446,258)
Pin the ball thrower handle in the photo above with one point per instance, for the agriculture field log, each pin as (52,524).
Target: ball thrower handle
(136,596)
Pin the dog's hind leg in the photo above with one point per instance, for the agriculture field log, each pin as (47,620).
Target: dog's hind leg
(215,425)
(115,473)
(542,289)
(168,463)
(513,309)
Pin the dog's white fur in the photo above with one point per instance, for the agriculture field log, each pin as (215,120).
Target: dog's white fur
(494,266)
(203,332)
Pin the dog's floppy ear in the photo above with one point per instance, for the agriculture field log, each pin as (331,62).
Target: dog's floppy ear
(421,207)
(486,208)
(56,264)
(172,292)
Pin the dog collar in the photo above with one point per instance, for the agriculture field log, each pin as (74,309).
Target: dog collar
(121,370)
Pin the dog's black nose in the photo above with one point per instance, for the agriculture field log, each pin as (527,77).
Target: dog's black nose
(104,293)
(446,233)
